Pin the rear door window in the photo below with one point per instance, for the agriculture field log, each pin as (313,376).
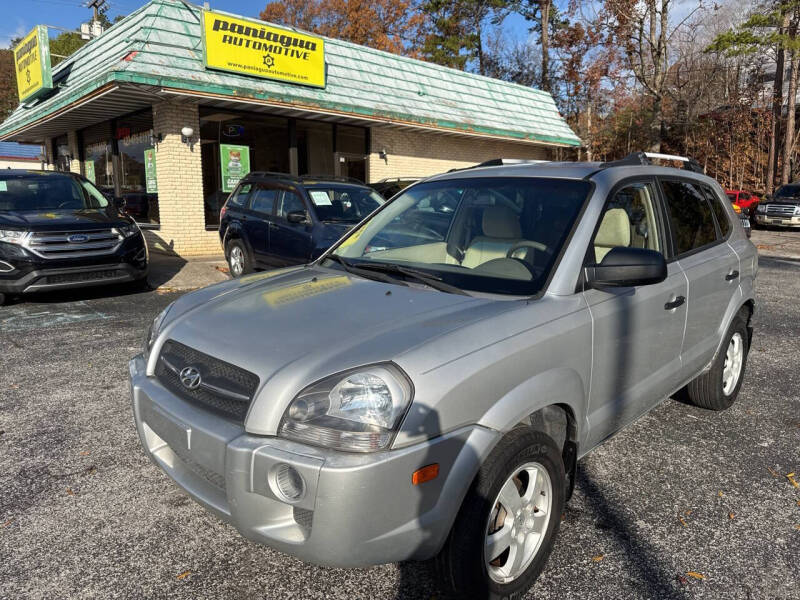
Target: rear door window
(719,211)
(262,199)
(690,215)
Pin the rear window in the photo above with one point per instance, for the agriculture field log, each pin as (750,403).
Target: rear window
(48,191)
(690,216)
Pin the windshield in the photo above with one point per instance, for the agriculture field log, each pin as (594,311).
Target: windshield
(48,191)
(788,191)
(343,203)
(495,235)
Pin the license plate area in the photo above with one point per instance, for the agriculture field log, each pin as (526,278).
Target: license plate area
(82,276)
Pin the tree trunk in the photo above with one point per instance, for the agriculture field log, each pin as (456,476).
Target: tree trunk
(544,12)
(656,125)
(589,131)
(788,138)
(777,103)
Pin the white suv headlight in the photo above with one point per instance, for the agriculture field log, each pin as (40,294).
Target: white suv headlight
(12,236)
(356,411)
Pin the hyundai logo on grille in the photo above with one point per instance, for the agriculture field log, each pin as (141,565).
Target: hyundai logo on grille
(190,378)
(77,238)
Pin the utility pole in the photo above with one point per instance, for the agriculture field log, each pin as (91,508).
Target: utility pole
(96,5)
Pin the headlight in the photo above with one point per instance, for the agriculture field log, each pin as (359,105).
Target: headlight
(761,208)
(356,411)
(797,210)
(154,330)
(127,230)
(12,236)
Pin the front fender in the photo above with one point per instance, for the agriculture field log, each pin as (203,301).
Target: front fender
(555,386)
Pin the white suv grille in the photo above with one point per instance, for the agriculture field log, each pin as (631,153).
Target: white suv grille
(73,244)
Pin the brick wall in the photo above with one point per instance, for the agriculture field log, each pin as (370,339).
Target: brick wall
(418,153)
(180,183)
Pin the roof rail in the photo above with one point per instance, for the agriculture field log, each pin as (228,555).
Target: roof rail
(647,158)
(273,174)
(339,178)
(499,162)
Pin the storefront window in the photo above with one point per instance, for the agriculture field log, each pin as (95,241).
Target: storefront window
(99,166)
(267,139)
(61,146)
(315,148)
(134,139)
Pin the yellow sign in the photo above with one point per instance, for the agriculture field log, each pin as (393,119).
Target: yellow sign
(32,64)
(255,48)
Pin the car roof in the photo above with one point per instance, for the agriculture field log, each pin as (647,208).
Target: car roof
(568,170)
(304,179)
(34,172)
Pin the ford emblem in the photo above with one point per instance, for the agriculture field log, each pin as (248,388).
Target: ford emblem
(77,238)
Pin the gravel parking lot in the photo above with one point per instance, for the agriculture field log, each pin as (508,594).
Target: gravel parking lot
(683,504)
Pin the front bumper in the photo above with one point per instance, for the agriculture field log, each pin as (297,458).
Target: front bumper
(357,510)
(763,219)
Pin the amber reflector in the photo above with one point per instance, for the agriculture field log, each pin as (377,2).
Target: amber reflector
(425,474)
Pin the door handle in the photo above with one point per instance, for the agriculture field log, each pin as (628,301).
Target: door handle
(732,275)
(675,303)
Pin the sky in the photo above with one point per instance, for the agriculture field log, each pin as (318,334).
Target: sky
(20,16)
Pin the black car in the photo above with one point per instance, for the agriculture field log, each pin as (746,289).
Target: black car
(57,231)
(274,219)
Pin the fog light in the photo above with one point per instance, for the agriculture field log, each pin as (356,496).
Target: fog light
(289,482)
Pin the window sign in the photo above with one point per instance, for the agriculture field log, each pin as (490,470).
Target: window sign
(320,198)
(235,162)
(255,48)
(89,167)
(32,64)
(151,182)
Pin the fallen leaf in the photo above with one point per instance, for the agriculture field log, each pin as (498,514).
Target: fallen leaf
(70,492)
(598,558)
(731,515)
(719,493)
(798,503)
(696,575)
(688,512)
(790,477)
(682,521)
(773,473)
(797,526)
(7,523)
(85,453)
(184,575)
(683,580)
(222,269)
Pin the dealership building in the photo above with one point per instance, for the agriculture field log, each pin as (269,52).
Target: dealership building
(173,103)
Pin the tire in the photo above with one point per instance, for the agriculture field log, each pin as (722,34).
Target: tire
(717,388)
(463,568)
(239,262)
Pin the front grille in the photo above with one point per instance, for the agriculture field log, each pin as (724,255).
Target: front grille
(223,388)
(213,478)
(780,210)
(73,244)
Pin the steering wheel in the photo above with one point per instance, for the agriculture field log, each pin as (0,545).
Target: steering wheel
(528,244)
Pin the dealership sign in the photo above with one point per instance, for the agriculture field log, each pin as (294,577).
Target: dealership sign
(32,64)
(254,48)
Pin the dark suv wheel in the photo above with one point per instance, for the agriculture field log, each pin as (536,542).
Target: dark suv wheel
(239,261)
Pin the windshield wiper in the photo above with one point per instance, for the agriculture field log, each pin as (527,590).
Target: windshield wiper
(428,279)
(365,273)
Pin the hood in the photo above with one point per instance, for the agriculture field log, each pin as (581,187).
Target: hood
(59,220)
(294,327)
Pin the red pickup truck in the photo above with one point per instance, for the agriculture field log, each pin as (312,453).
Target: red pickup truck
(744,200)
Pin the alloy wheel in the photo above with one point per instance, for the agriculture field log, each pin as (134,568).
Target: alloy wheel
(732,368)
(518,522)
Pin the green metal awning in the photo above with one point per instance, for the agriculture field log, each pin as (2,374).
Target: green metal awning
(156,52)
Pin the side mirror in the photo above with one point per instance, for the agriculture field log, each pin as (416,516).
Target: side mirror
(623,267)
(297,216)
(119,203)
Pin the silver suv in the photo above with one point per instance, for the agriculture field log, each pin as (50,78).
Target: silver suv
(426,387)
